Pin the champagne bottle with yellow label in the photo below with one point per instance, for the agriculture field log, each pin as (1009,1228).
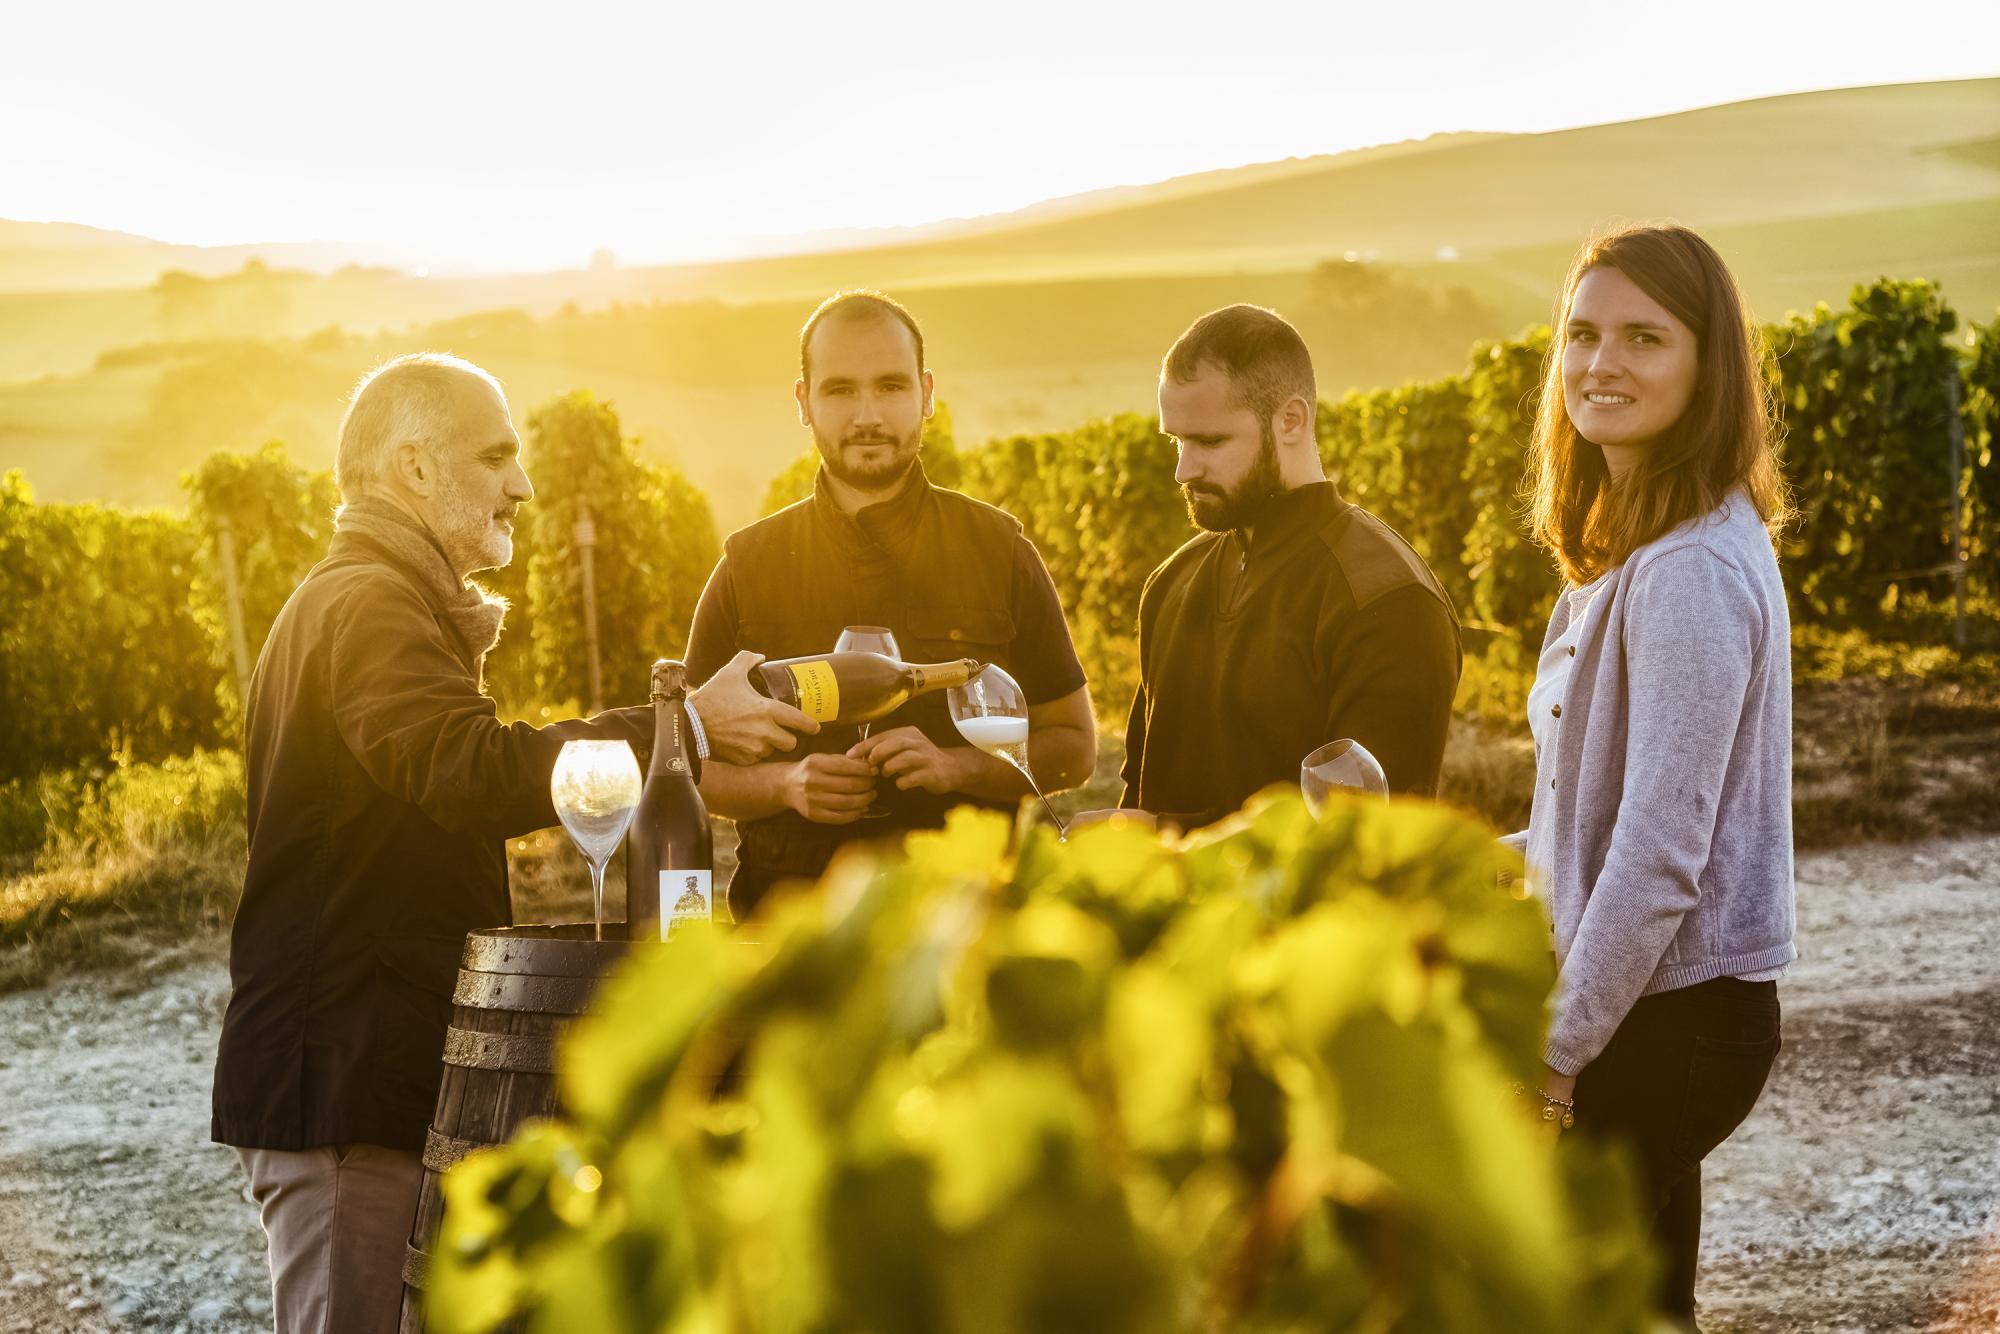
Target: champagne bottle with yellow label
(855,687)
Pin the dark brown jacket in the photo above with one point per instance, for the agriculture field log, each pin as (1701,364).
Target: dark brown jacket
(382,788)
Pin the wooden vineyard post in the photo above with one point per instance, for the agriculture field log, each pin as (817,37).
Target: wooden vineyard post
(586,543)
(1955,430)
(232,597)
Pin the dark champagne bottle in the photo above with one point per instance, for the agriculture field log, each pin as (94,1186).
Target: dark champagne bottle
(855,687)
(670,867)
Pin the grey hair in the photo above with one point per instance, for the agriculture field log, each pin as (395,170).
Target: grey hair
(408,398)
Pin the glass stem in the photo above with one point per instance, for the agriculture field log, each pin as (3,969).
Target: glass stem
(597,896)
(1062,834)
(875,806)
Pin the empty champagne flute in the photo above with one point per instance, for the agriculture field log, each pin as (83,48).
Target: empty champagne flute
(991,712)
(595,787)
(869,639)
(1340,764)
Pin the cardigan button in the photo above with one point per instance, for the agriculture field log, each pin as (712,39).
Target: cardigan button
(1557,710)
(1572,650)
(1552,785)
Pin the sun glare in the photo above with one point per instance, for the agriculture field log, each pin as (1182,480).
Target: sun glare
(535,136)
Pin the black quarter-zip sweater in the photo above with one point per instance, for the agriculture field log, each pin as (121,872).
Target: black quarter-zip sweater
(1257,646)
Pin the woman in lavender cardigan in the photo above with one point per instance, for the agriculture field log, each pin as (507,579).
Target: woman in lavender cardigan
(1661,836)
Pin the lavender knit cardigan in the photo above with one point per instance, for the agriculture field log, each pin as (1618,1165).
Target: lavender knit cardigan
(1672,800)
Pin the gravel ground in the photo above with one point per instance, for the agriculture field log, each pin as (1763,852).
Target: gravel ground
(115,1210)
(1862,1195)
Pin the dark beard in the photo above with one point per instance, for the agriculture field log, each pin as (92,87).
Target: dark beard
(881,477)
(1242,507)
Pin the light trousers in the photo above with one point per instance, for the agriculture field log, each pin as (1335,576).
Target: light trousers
(337,1219)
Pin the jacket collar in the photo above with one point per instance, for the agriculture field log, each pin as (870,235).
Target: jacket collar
(890,525)
(1287,515)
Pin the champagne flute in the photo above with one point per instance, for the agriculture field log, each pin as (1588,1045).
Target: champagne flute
(595,787)
(869,639)
(1340,764)
(991,712)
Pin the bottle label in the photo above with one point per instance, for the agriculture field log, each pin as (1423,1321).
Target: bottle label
(676,757)
(685,896)
(819,690)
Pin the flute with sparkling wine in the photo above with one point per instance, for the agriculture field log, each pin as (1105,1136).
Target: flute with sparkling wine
(991,713)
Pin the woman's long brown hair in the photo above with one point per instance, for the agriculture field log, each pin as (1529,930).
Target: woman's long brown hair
(1726,438)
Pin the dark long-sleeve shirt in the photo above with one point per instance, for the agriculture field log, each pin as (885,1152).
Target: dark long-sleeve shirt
(1258,646)
(949,576)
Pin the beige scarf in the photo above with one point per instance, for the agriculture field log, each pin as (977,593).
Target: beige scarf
(474,613)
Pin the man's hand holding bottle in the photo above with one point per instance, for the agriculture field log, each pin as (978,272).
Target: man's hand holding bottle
(741,724)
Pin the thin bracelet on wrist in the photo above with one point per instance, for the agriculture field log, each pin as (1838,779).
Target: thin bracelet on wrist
(1554,1109)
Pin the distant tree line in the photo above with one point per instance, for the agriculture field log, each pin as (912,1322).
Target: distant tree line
(115,636)
(1866,394)
(115,630)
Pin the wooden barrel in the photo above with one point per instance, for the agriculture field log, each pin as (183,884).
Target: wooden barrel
(518,988)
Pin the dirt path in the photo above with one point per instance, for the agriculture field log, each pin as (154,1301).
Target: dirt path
(1863,1194)
(115,1210)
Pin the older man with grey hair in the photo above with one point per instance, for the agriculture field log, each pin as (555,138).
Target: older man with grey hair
(382,788)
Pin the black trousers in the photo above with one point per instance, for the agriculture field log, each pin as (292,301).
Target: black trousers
(1677,1078)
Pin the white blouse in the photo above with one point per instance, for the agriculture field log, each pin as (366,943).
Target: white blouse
(1545,699)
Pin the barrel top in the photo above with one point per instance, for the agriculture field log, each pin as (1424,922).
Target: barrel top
(566,949)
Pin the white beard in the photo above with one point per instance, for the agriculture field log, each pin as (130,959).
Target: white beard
(499,549)
(472,538)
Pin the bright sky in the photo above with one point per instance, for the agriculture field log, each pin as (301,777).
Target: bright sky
(503,133)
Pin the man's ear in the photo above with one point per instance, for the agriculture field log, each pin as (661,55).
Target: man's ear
(799,393)
(1297,420)
(930,394)
(413,468)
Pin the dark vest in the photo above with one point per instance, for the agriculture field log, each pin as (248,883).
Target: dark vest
(942,584)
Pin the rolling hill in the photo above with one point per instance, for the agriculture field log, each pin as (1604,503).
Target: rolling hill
(1037,318)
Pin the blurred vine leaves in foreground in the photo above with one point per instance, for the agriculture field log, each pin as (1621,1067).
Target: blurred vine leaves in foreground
(1258,1080)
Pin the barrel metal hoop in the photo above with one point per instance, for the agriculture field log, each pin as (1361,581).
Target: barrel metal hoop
(519,1052)
(538,950)
(524,993)
(442,1152)
(416,1267)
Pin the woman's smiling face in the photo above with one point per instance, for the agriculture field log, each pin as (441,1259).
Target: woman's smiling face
(1628,366)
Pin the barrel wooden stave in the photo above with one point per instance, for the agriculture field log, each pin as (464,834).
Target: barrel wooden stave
(518,989)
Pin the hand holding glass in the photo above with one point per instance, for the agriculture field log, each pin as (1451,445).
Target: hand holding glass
(869,639)
(595,787)
(1340,764)
(991,712)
